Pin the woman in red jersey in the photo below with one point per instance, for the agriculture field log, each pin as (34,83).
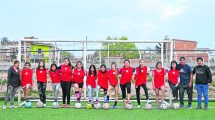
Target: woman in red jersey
(114,83)
(78,79)
(158,81)
(54,74)
(125,82)
(102,82)
(91,82)
(41,75)
(66,81)
(141,80)
(174,79)
(27,81)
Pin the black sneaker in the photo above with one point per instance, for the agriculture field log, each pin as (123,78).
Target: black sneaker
(206,108)
(189,106)
(198,107)
(181,106)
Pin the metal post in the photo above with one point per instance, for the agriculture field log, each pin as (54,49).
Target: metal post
(162,54)
(20,60)
(85,67)
(108,53)
(25,51)
(171,58)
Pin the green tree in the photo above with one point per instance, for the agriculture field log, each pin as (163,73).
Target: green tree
(67,54)
(125,50)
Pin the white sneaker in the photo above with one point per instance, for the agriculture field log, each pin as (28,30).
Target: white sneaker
(44,105)
(138,106)
(12,106)
(4,106)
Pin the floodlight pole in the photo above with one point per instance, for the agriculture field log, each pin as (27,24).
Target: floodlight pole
(20,64)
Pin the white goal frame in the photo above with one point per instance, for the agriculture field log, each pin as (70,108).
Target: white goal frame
(85,53)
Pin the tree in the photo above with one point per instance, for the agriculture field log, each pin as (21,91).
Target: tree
(67,54)
(125,50)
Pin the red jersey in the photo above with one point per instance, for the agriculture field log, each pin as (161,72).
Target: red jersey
(55,76)
(113,77)
(78,76)
(103,79)
(91,80)
(41,75)
(159,78)
(27,76)
(66,73)
(140,76)
(126,75)
(173,76)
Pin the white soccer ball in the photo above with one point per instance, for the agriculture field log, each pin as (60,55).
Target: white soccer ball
(106,106)
(148,106)
(55,105)
(77,105)
(129,106)
(163,106)
(39,104)
(175,106)
(97,106)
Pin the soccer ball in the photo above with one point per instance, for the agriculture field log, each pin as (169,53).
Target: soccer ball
(176,106)
(89,106)
(97,106)
(129,106)
(163,106)
(106,106)
(28,104)
(148,106)
(39,104)
(55,105)
(78,105)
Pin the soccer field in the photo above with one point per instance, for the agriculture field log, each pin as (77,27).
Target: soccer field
(111,114)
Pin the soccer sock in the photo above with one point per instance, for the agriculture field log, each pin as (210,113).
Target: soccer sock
(108,97)
(115,103)
(77,95)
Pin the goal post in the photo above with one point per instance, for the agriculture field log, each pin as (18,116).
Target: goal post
(85,50)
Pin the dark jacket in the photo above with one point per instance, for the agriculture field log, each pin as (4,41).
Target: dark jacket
(13,78)
(203,74)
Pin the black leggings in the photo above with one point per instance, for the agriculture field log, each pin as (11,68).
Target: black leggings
(138,92)
(66,87)
(174,90)
(123,89)
(42,91)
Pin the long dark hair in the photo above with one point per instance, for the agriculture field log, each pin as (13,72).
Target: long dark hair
(157,64)
(38,67)
(27,63)
(94,72)
(140,65)
(171,68)
(103,65)
(15,62)
(68,60)
(116,71)
(77,64)
(53,65)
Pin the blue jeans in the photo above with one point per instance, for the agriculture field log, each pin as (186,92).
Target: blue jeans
(202,88)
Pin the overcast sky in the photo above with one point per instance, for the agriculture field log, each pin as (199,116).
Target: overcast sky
(136,19)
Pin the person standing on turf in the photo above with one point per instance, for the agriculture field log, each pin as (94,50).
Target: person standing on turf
(91,82)
(203,80)
(113,82)
(66,81)
(126,74)
(13,83)
(141,80)
(174,80)
(78,79)
(27,79)
(102,82)
(186,82)
(41,75)
(158,81)
(54,74)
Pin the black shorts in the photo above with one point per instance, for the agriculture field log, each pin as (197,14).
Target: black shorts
(80,85)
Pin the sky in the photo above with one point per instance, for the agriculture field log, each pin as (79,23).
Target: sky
(97,19)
